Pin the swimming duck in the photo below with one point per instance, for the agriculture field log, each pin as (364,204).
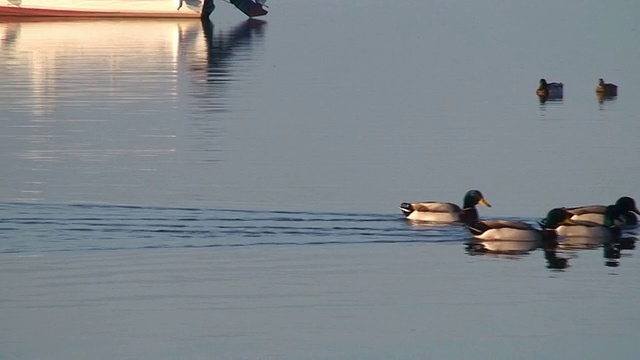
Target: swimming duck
(623,213)
(552,90)
(606,89)
(590,229)
(512,230)
(444,212)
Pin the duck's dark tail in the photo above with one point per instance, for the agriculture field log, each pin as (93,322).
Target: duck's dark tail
(406,208)
(477,228)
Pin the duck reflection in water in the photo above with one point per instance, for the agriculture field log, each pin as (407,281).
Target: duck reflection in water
(554,262)
(602,98)
(611,253)
(518,250)
(501,248)
(612,250)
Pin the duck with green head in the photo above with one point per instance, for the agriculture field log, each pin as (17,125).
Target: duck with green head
(588,229)
(445,212)
(623,214)
(513,230)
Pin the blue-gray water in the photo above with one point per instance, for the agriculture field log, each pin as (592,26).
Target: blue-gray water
(172,193)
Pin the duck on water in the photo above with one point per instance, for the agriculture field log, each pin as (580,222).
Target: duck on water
(445,212)
(623,213)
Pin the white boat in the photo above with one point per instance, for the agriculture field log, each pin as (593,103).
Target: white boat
(102,8)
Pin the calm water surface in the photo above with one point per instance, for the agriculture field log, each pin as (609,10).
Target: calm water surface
(178,191)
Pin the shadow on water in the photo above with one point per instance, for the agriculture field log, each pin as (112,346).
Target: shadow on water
(223,50)
(212,70)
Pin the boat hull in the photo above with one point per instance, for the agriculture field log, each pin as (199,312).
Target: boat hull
(102,8)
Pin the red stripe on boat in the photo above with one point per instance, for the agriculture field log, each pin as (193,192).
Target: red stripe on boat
(33,12)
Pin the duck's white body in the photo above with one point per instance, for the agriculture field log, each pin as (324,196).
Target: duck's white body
(513,230)
(585,229)
(509,230)
(590,217)
(625,218)
(592,213)
(435,212)
(445,212)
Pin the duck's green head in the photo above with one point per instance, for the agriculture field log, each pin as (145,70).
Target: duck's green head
(543,84)
(601,82)
(557,217)
(473,198)
(626,204)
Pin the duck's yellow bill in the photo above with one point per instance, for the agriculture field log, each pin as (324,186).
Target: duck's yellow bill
(484,202)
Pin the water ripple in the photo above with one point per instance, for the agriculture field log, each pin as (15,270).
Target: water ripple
(27,228)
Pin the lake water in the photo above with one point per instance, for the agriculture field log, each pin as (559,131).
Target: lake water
(177,191)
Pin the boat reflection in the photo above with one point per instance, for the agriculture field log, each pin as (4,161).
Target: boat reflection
(109,57)
(213,68)
(220,48)
(9,36)
(78,95)
(116,54)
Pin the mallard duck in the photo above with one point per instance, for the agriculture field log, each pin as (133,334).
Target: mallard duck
(590,229)
(552,90)
(606,89)
(444,212)
(623,213)
(512,230)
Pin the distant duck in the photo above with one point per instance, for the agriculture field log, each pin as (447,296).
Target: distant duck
(589,229)
(623,213)
(552,90)
(444,212)
(606,89)
(512,230)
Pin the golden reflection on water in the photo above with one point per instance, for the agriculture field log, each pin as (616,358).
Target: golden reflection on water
(88,99)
